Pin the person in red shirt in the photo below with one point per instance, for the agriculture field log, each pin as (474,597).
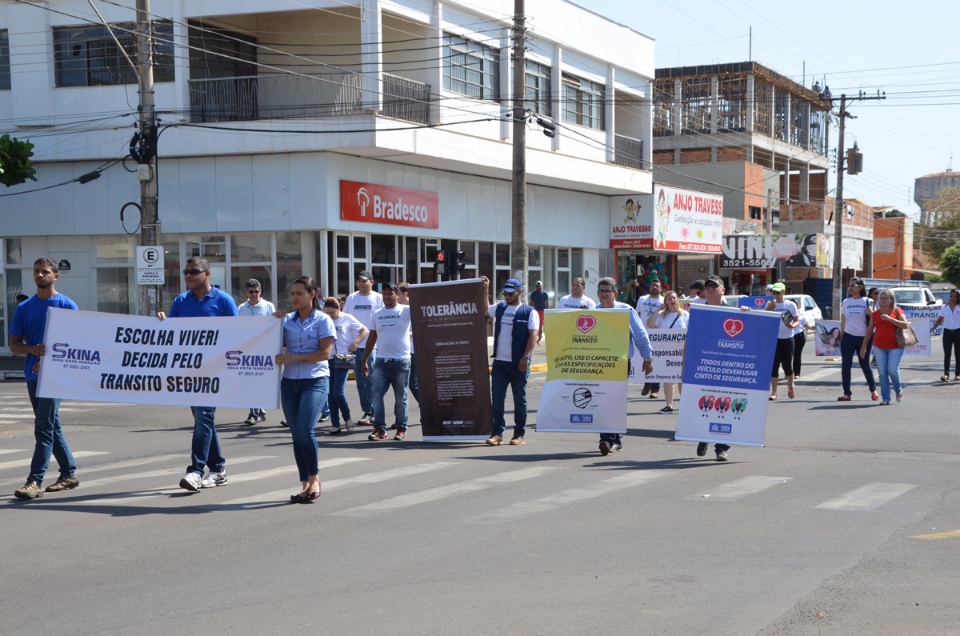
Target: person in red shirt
(884,323)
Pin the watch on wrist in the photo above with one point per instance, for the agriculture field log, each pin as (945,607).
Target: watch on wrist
(647,360)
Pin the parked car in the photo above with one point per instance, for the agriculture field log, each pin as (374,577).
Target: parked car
(943,295)
(808,306)
(916,298)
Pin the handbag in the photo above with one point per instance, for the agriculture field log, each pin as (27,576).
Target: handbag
(907,336)
(344,361)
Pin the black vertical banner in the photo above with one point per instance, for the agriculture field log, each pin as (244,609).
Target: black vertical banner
(450,342)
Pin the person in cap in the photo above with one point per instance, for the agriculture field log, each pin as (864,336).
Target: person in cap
(390,336)
(696,292)
(515,331)
(540,302)
(790,319)
(361,304)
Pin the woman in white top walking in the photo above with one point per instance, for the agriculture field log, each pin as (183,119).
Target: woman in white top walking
(669,316)
(854,318)
(950,319)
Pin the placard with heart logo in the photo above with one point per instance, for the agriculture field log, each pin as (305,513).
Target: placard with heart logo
(733,327)
(586,323)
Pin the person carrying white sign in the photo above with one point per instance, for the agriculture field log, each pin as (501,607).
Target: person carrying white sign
(607,292)
(202,300)
(669,316)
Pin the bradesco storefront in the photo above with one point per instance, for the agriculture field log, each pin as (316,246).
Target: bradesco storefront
(649,230)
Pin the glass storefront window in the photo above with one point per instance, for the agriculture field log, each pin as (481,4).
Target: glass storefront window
(171,271)
(360,247)
(240,274)
(116,291)
(343,246)
(14,251)
(114,249)
(212,248)
(250,248)
(289,268)
(412,259)
(503,255)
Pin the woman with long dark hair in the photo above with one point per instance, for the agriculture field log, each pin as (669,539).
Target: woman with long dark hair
(854,318)
(308,335)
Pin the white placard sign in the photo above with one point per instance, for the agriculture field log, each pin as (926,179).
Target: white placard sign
(149,265)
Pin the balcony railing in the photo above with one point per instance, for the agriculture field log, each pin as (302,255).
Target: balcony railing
(280,96)
(628,152)
(405,99)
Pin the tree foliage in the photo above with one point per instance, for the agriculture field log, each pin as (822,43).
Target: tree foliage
(15,164)
(950,264)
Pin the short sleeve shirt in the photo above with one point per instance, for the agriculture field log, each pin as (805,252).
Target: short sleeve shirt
(856,313)
(262,308)
(347,328)
(305,337)
(569,302)
(393,332)
(30,322)
(362,307)
(539,300)
(647,305)
(214,303)
(504,350)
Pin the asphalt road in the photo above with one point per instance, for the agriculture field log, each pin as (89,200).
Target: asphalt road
(847,522)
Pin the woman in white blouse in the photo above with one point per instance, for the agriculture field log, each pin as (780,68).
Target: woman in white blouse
(854,318)
(950,319)
(669,316)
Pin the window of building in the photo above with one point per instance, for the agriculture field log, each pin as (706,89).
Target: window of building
(116,288)
(663,109)
(537,82)
(756,213)
(696,105)
(89,56)
(582,102)
(4,60)
(471,69)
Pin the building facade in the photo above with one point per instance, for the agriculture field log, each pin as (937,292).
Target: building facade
(269,110)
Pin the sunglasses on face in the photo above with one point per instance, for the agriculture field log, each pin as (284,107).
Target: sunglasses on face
(193,272)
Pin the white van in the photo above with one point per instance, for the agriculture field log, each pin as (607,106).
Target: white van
(809,306)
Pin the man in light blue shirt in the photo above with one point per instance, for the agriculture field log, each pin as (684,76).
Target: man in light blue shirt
(255,305)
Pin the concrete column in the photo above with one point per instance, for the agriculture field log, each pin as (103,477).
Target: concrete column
(751,113)
(786,181)
(436,74)
(677,108)
(714,114)
(804,182)
(371,55)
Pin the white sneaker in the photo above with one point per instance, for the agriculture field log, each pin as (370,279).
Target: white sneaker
(212,480)
(191,482)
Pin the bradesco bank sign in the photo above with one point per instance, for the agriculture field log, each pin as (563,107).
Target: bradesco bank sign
(371,203)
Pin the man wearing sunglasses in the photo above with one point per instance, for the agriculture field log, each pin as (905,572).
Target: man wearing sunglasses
(515,332)
(255,305)
(202,300)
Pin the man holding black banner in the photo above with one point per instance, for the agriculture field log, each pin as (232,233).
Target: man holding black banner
(202,300)
(515,332)
(607,293)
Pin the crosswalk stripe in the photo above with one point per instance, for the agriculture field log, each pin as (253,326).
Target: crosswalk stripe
(19,463)
(367,478)
(868,497)
(740,488)
(7,451)
(143,495)
(166,472)
(442,492)
(566,497)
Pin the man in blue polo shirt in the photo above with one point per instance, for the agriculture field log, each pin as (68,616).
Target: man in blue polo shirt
(26,339)
(202,300)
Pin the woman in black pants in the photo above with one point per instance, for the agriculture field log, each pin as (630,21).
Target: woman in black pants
(799,340)
(950,319)
(790,318)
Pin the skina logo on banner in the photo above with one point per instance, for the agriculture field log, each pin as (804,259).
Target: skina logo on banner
(237,361)
(63,352)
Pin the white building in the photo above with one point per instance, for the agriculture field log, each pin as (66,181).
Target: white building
(265,107)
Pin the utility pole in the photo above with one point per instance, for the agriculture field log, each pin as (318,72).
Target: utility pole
(146,155)
(518,245)
(839,211)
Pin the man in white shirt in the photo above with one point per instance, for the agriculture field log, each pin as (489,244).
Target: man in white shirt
(575,299)
(255,305)
(646,307)
(361,304)
(515,330)
(390,335)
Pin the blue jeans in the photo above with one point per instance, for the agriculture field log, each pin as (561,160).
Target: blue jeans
(206,444)
(888,367)
(363,381)
(503,374)
(302,401)
(390,372)
(338,396)
(850,349)
(49,437)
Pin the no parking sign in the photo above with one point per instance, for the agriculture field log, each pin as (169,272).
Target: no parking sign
(149,265)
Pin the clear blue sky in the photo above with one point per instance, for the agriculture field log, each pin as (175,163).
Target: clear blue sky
(907,50)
